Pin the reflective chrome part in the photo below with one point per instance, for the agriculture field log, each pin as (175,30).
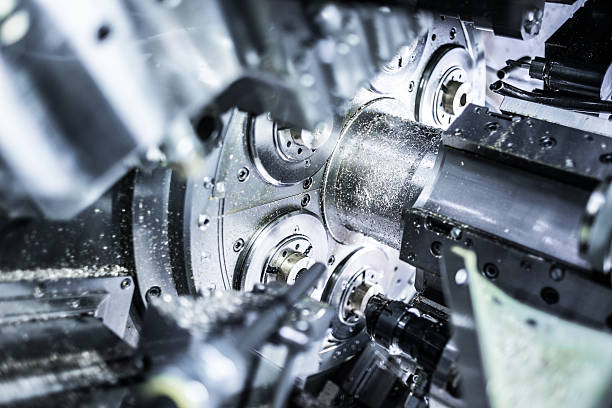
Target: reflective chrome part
(365,266)
(287,156)
(308,197)
(281,250)
(420,75)
(356,199)
(445,89)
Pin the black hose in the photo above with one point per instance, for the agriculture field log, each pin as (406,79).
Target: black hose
(560,101)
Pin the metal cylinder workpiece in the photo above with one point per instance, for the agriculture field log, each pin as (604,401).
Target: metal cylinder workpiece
(379,166)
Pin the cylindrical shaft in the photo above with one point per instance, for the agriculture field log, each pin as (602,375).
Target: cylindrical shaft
(379,167)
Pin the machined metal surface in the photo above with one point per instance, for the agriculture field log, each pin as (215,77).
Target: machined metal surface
(284,165)
(278,158)
(379,167)
(416,75)
(502,203)
(301,233)
(445,89)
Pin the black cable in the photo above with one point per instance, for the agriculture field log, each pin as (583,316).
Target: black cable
(512,65)
(560,101)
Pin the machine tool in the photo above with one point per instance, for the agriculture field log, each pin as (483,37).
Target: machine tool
(294,203)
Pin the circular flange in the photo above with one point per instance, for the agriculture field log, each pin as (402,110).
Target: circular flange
(366,264)
(445,88)
(295,232)
(278,158)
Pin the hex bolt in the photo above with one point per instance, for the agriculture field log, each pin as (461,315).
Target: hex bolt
(238,245)
(126,283)
(243,174)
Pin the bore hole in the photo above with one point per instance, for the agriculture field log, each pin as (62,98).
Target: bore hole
(103,32)
(549,295)
(284,254)
(606,158)
(154,291)
(436,249)
(463,100)
(300,150)
(288,144)
(491,271)
(531,322)
(297,246)
(433,37)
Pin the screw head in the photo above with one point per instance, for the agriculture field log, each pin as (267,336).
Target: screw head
(153,292)
(126,283)
(238,245)
(307,183)
(490,271)
(243,174)
(305,200)
(436,249)
(547,142)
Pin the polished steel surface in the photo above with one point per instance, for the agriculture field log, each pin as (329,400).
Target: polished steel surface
(379,167)
(527,209)
(300,231)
